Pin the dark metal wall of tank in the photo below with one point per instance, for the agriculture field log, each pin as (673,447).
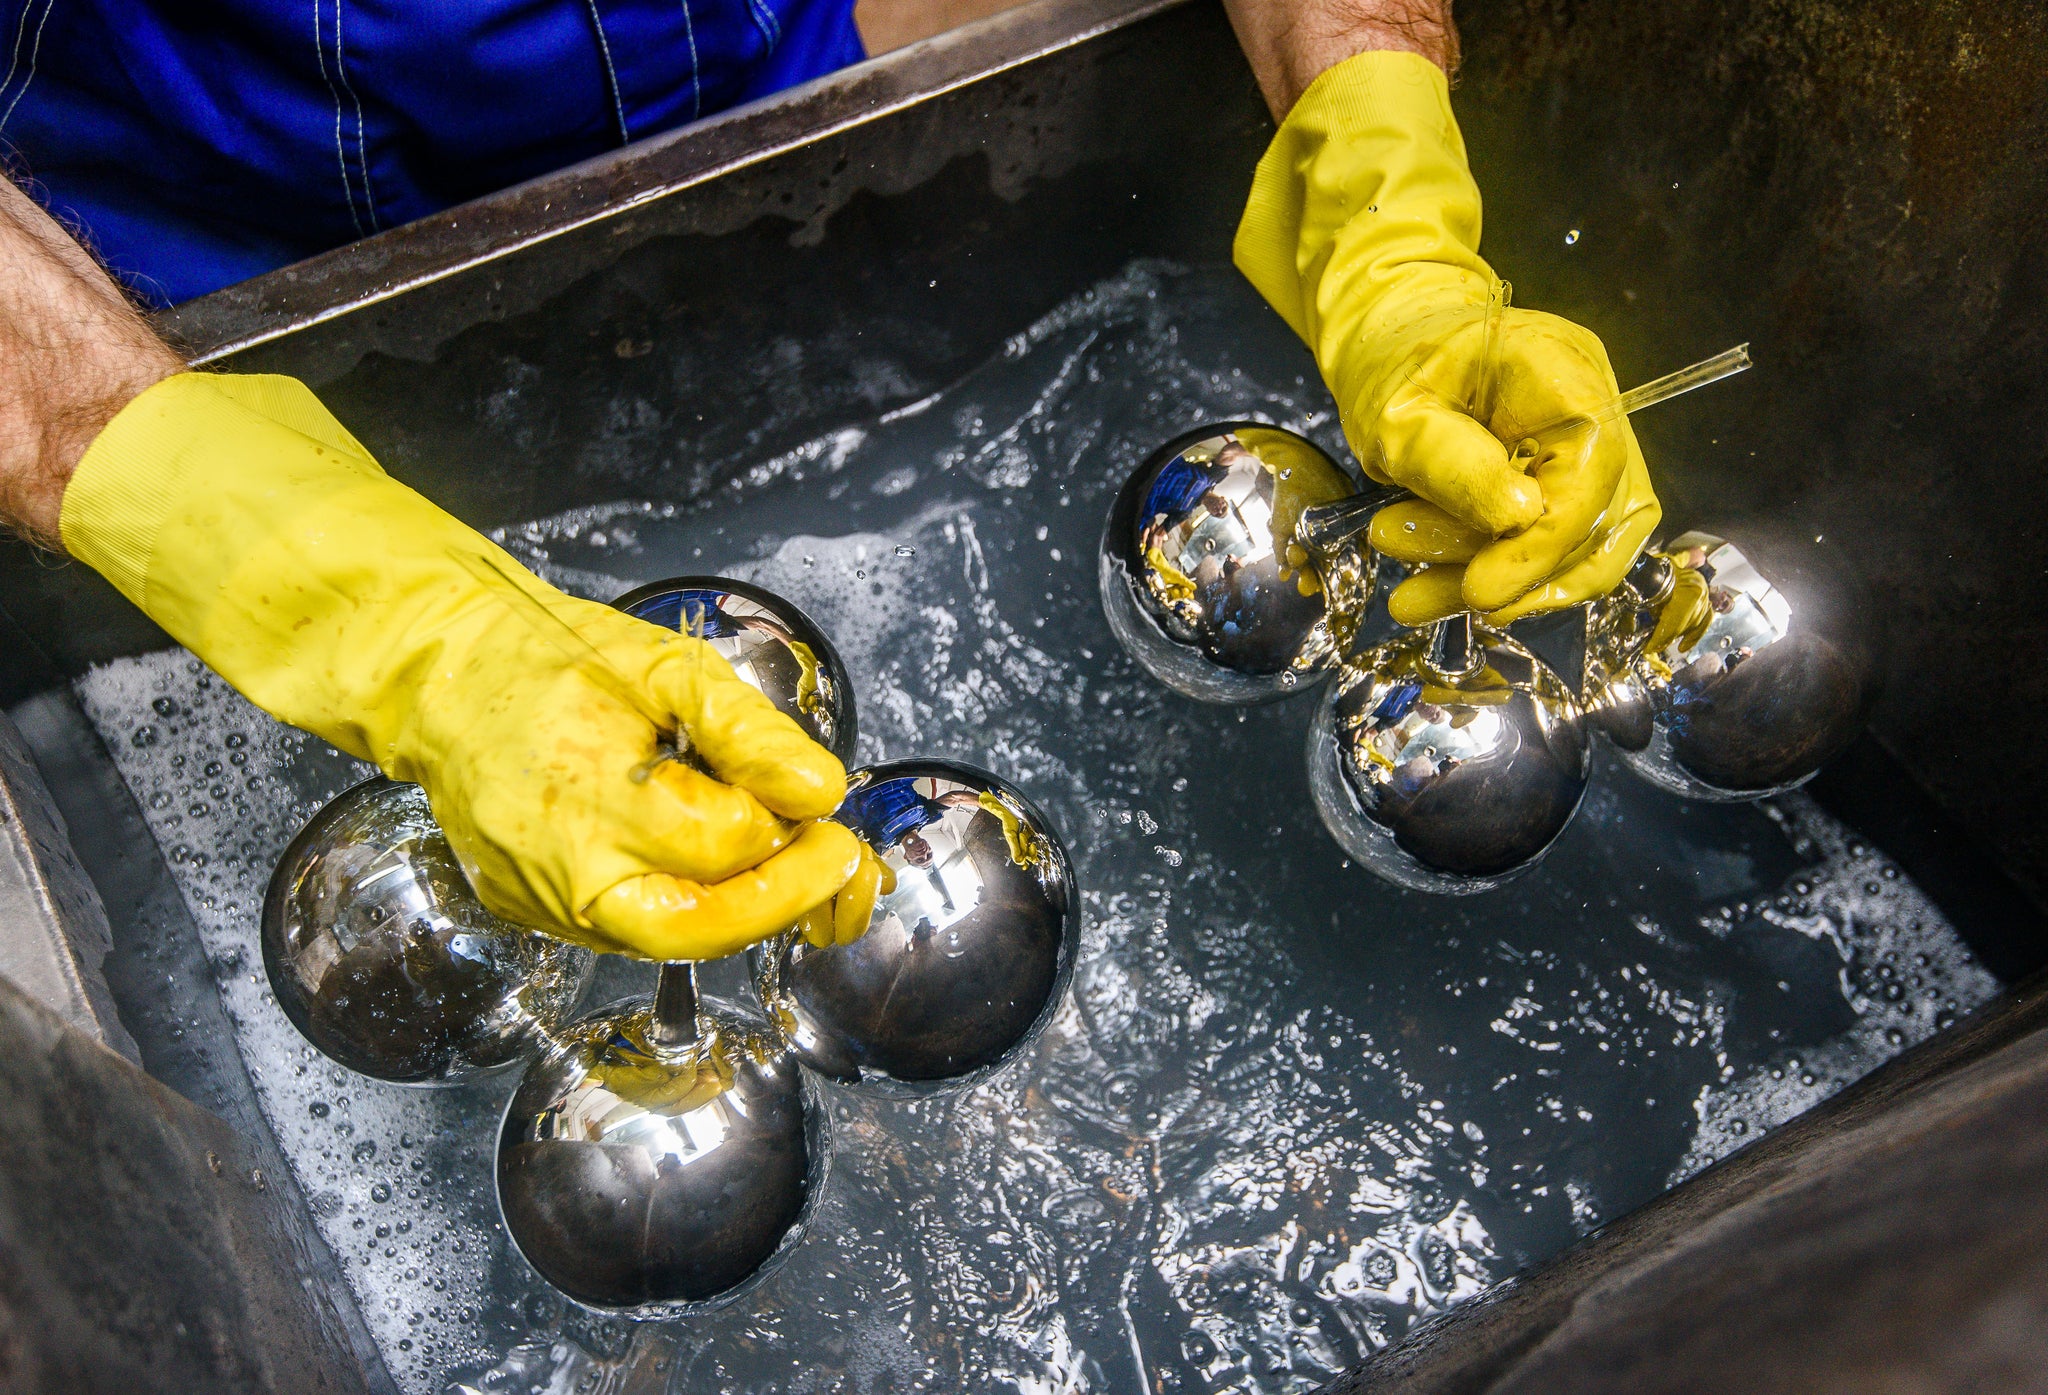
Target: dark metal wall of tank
(141,1249)
(1893,1239)
(165,988)
(1857,189)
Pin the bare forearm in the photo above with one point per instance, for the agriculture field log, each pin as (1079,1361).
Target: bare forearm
(73,352)
(1291,42)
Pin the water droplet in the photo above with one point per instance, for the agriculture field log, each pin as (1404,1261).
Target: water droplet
(905,550)
(381,1192)
(1571,237)
(1170,856)
(860,574)
(1288,678)
(165,707)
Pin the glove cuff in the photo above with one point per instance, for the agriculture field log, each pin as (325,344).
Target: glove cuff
(184,443)
(1365,184)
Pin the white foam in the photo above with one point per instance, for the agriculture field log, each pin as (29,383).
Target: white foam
(398,1179)
(1902,977)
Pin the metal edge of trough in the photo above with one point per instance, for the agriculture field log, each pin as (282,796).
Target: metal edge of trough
(376,269)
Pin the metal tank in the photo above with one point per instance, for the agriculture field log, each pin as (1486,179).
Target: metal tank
(1851,189)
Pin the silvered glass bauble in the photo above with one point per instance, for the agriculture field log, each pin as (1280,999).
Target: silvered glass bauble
(656,1179)
(1725,673)
(962,960)
(1202,579)
(770,644)
(382,956)
(1448,759)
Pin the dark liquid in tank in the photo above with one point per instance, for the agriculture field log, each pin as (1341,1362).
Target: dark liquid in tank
(1287,1109)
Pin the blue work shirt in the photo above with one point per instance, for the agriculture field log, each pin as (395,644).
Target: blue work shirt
(199,142)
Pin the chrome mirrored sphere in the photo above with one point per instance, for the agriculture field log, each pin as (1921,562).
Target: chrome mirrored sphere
(1718,678)
(1202,579)
(965,955)
(382,956)
(770,644)
(1448,759)
(659,1180)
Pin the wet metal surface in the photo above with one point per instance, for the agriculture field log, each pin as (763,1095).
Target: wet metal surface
(53,925)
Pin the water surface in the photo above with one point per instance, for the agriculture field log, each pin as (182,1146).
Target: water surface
(1286,1109)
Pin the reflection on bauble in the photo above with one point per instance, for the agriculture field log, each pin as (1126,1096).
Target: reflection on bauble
(1202,579)
(1448,759)
(771,645)
(1720,674)
(382,956)
(657,1179)
(968,947)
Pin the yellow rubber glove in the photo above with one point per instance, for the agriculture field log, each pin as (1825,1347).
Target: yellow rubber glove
(246,521)
(1362,230)
(845,918)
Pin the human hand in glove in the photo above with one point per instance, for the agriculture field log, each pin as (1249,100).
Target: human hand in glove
(249,524)
(1363,232)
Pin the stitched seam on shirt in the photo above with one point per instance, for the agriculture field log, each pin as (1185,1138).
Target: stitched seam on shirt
(362,157)
(766,22)
(20,28)
(611,74)
(35,51)
(348,187)
(696,82)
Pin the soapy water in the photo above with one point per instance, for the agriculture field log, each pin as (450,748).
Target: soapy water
(1284,1111)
